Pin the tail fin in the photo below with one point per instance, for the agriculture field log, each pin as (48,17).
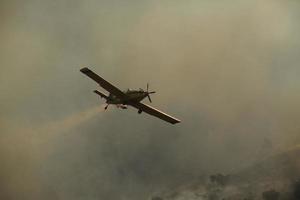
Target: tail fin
(101,94)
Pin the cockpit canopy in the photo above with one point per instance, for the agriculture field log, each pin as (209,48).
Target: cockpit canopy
(133,91)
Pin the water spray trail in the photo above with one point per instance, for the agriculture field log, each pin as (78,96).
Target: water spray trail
(44,133)
(73,120)
(26,149)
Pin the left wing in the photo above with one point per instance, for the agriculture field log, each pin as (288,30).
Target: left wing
(155,112)
(103,83)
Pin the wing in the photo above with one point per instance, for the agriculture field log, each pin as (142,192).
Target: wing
(103,83)
(157,113)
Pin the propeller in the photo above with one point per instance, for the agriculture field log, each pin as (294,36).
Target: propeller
(148,93)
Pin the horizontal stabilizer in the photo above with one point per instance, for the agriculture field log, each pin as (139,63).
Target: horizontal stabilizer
(101,94)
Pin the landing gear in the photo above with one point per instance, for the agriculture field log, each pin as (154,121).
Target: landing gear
(140,111)
(106,106)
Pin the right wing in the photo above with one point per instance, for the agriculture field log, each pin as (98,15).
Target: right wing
(103,83)
(155,112)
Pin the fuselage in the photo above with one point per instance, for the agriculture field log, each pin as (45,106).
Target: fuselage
(132,96)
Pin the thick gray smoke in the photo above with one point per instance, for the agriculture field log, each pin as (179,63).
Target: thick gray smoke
(228,69)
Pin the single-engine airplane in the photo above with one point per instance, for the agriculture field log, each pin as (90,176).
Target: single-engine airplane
(129,97)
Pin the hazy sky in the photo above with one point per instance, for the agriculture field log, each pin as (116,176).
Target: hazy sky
(228,69)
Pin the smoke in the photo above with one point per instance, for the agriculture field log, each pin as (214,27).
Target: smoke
(229,70)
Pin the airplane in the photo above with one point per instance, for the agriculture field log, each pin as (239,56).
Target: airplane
(129,97)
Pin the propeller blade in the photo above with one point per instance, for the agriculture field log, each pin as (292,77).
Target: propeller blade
(147,87)
(149,98)
(151,92)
